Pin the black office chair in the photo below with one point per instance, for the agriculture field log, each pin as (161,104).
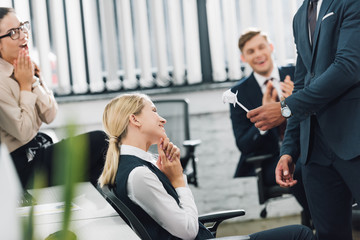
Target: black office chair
(176,113)
(131,219)
(356,217)
(266,193)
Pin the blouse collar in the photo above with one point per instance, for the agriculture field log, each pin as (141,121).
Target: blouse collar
(137,152)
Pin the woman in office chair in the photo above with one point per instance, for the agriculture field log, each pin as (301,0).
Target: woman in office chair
(26,102)
(156,190)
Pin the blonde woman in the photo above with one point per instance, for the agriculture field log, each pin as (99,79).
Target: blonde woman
(155,189)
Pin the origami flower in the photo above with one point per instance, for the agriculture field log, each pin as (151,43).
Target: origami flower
(230,97)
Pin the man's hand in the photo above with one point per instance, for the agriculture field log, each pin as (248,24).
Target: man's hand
(287,86)
(267,116)
(270,94)
(284,172)
(169,162)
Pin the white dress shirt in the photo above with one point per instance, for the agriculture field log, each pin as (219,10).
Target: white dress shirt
(146,190)
(276,80)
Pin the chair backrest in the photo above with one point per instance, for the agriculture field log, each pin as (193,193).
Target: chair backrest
(176,113)
(124,212)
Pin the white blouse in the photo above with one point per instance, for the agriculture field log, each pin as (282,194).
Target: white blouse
(146,190)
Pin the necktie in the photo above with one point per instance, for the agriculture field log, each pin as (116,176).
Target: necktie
(267,80)
(312,13)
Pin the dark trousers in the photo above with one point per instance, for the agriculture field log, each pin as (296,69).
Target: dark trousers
(46,157)
(331,184)
(292,232)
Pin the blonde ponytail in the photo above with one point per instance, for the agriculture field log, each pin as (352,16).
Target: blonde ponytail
(110,167)
(115,121)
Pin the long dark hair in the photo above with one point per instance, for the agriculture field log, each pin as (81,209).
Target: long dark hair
(3,12)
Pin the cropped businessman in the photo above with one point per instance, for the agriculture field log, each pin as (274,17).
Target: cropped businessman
(324,113)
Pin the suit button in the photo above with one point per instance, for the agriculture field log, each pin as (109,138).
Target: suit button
(312,74)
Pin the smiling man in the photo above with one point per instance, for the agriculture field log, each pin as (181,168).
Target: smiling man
(256,90)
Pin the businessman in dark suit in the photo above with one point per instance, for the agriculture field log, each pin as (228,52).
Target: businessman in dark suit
(254,91)
(324,113)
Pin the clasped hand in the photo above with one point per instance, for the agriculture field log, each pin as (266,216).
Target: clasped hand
(169,162)
(24,70)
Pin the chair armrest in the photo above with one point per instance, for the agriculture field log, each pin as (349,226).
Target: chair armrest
(258,159)
(191,143)
(245,237)
(217,217)
(221,216)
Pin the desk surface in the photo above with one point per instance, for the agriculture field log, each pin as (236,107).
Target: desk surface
(93,217)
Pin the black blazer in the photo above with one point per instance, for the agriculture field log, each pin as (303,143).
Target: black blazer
(327,80)
(248,138)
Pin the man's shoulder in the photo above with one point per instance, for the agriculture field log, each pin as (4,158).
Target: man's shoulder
(287,70)
(290,68)
(242,82)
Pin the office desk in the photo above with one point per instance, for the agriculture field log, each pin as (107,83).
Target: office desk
(93,217)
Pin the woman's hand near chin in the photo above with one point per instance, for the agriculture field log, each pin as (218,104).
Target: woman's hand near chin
(169,162)
(24,70)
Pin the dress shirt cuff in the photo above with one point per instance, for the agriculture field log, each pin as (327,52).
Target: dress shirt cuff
(183,191)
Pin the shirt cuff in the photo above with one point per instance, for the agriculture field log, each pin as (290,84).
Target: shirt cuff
(183,191)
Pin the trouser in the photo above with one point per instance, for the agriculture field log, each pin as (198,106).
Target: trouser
(50,160)
(331,184)
(292,232)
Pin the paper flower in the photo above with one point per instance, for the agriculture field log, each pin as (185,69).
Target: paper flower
(230,97)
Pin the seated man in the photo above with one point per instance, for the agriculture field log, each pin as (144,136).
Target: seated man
(156,190)
(266,83)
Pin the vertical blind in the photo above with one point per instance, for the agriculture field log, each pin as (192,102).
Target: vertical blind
(92,46)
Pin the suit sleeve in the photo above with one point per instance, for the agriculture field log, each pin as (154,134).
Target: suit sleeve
(341,75)
(291,142)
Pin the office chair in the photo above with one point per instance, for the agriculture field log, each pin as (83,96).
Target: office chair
(131,219)
(271,193)
(356,217)
(176,113)
(265,192)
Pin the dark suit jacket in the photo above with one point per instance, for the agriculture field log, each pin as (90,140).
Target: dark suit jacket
(327,80)
(248,138)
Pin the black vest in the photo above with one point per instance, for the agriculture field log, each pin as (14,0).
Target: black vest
(126,164)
